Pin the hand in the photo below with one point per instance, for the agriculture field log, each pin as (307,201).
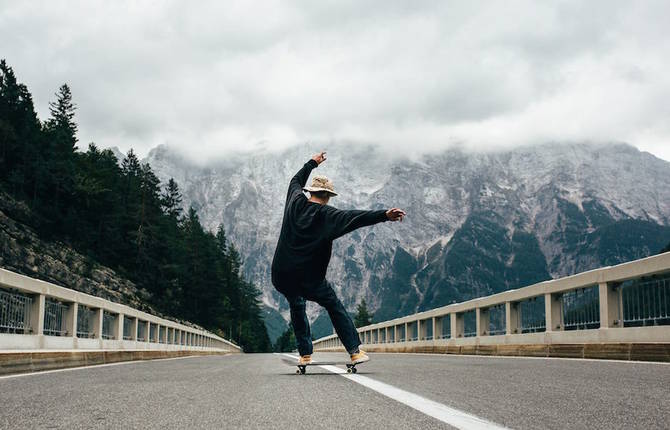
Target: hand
(320,157)
(395,214)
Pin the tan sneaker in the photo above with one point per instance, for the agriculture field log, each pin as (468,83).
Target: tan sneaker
(304,360)
(359,357)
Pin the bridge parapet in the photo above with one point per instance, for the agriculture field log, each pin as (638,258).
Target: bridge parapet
(620,312)
(37,316)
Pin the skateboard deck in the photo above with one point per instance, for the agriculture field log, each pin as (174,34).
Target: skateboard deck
(302,368)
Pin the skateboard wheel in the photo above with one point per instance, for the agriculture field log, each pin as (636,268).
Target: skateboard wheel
(349,370)
(353,370)
(297,371)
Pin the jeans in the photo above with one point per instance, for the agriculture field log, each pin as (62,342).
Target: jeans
(324,295)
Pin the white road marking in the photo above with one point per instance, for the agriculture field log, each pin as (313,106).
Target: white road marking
(93,366)
(453,417)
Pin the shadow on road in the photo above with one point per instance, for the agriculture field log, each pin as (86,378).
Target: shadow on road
(325,373)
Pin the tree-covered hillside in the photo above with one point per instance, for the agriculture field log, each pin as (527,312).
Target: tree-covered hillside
(122,217)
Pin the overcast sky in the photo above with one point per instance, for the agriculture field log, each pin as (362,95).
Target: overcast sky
(209,78)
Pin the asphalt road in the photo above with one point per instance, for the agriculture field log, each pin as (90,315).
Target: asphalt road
(259,391)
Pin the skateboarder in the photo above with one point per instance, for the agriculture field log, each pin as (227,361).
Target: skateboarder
(303,253)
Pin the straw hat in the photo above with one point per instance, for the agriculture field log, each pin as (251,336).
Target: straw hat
(321,183)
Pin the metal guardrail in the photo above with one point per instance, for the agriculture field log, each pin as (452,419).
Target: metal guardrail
(108,320)
(14,312)
(127,327)
(532,315)
(497,320)
(85,317)
(646,302)
(55,313)
(581,309)
(37,315)
(629,302)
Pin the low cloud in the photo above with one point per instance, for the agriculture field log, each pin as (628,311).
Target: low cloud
(210,78)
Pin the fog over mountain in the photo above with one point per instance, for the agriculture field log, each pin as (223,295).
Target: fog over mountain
(477,223)
(211,77)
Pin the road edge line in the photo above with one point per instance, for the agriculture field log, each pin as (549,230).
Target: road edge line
(92,366)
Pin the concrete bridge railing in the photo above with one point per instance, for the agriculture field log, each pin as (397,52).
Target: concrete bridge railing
(620,312)
(37,316)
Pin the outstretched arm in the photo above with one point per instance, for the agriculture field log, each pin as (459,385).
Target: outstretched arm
(341,222)
(300,179)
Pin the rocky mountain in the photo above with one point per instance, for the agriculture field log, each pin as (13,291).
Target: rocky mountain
(119,155)
(477,223)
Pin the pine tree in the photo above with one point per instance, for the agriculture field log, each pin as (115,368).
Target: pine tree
(286,342)
(62,119)
(60,149)
(98,194)
(363,316)
(20,135)
(10,100)
(147,240)
(131,165)
(131,202)
(222,240)
(130,171)
(171,200)
(200,281)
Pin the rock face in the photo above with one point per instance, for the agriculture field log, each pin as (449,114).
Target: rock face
(22,251)
(477,223)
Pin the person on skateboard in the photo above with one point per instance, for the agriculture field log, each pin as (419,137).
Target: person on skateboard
(301,258)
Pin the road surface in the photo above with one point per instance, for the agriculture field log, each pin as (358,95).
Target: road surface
(393,391)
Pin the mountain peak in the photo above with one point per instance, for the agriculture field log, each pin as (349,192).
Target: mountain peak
(503,219)
(120,156)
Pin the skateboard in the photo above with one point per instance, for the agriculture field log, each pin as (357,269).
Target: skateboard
(302,369)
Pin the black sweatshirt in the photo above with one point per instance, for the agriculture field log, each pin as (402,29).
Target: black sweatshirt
(307,233)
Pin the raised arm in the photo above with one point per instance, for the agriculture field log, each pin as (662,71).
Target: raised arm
(300,179)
